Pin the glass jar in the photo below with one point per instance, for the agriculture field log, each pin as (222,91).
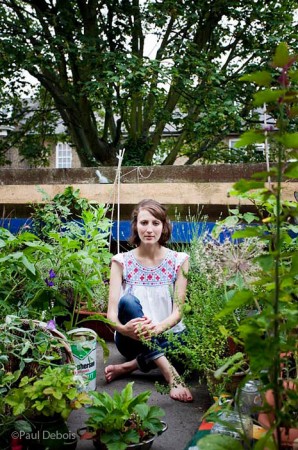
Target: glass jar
(249,398)
(234,424)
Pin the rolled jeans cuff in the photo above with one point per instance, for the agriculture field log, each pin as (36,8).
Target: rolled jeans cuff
(146,362)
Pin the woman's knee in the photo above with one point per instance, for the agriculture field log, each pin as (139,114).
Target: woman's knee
(129,308)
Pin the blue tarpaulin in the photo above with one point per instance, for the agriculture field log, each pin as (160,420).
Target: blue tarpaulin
(182,231)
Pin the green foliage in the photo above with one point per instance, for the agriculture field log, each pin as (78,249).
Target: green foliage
(26,348)
(69,265)
(19,255)
(55,392)
(123,418)
(219,442)
(270,336)
(89,70)
(203,345)
(55,212)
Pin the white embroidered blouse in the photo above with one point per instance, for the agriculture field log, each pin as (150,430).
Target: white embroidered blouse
(153,286)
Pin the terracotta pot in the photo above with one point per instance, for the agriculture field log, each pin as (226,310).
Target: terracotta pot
(267,419)
(102,329)
(231,382)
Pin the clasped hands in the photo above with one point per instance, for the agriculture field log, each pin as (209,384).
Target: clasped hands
(141,328)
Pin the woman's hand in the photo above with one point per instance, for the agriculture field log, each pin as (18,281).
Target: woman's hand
(145,329)
(133,327)
(139,328)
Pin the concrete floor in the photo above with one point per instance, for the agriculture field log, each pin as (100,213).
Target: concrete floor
(182,418)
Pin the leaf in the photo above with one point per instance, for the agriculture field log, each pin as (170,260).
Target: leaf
(266,441)
(292,170)
(289,140)
(281,56)
(246,185)
(294,266)
(26,347)
(250,137)
(23,425)
(250,217)
(293,110)
(247,232)
(266,262)
(29,266)
(262,78)
(218,442)
(240,298)
(268,96)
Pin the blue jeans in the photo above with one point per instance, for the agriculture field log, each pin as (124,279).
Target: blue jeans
(130,308)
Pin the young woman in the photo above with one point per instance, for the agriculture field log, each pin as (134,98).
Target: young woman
(147,289)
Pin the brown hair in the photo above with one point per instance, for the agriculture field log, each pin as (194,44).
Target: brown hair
(159,212)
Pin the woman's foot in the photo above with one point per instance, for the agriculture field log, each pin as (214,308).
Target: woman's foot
(118,370)
(178,391)
(181,393)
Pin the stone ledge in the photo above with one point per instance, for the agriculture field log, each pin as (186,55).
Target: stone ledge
(148,174)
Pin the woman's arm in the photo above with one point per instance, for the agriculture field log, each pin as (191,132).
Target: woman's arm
(179,299)
(114,293)
(129,329)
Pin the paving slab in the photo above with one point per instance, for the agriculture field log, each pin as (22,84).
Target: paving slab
(182,418)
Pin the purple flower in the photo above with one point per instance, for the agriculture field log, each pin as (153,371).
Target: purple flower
(52,273)
(51,325)
(49,282)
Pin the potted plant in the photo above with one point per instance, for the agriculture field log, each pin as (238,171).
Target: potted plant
(28,346)
(46,402)
(76,268)
(31,351)
(9,423)
(92,314)
(122,421)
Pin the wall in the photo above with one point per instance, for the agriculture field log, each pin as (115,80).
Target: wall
(182,188)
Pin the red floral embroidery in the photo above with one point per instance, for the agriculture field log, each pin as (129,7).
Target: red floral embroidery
(164,274)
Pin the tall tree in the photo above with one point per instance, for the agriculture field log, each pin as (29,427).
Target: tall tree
(92,57)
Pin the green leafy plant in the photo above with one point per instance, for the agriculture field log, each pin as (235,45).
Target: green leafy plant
(78,266)
(27,347)
(53,276)
(8,422)
(19,255)
(54,392)
(54,213)
(218,267)
(270,336)
(123,418)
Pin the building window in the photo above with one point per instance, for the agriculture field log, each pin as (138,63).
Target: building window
(232,142)
(63,155)
(259,148)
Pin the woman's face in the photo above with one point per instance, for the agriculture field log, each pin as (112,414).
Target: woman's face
(149,228)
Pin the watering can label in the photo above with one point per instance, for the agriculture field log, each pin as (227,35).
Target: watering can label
(83,347)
